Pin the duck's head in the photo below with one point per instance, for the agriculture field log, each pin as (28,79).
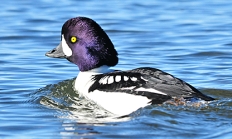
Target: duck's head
(85,43)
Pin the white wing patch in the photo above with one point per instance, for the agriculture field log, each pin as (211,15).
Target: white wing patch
(103,81)
(125,78)
(128,88)
(110,79)
(118,78)
(133,79)
(144,79)
(150,90)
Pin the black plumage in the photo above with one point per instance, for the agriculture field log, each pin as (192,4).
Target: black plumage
(165,85)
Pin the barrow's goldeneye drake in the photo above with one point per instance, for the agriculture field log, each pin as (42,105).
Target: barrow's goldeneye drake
(85,43)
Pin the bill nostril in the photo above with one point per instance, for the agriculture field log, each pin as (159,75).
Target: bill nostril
(52,51)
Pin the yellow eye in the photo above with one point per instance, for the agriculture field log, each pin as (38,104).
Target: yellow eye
(73,39)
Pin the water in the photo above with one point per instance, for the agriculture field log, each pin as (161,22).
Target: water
(189,39)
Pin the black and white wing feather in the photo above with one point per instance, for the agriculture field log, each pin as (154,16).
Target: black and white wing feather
(156,85)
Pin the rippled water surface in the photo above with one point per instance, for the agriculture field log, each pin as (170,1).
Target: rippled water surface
(189,39)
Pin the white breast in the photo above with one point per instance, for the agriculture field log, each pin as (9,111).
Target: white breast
(118,103)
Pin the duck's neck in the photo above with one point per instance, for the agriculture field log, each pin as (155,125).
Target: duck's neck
(83,80)
(99,70)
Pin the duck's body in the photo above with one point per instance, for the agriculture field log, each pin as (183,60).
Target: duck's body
(105,91)
(85,44)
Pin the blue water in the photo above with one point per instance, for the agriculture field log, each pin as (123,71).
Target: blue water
(189,39)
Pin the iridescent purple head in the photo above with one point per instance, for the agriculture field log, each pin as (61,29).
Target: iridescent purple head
(86,44)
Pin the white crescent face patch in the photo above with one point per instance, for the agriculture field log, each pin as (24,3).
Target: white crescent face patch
(67,51)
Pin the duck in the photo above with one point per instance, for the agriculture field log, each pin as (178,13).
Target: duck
(120,92)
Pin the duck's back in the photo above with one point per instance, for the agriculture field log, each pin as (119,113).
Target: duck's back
(126,91)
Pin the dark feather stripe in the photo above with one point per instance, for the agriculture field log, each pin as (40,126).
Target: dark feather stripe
(169,84)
